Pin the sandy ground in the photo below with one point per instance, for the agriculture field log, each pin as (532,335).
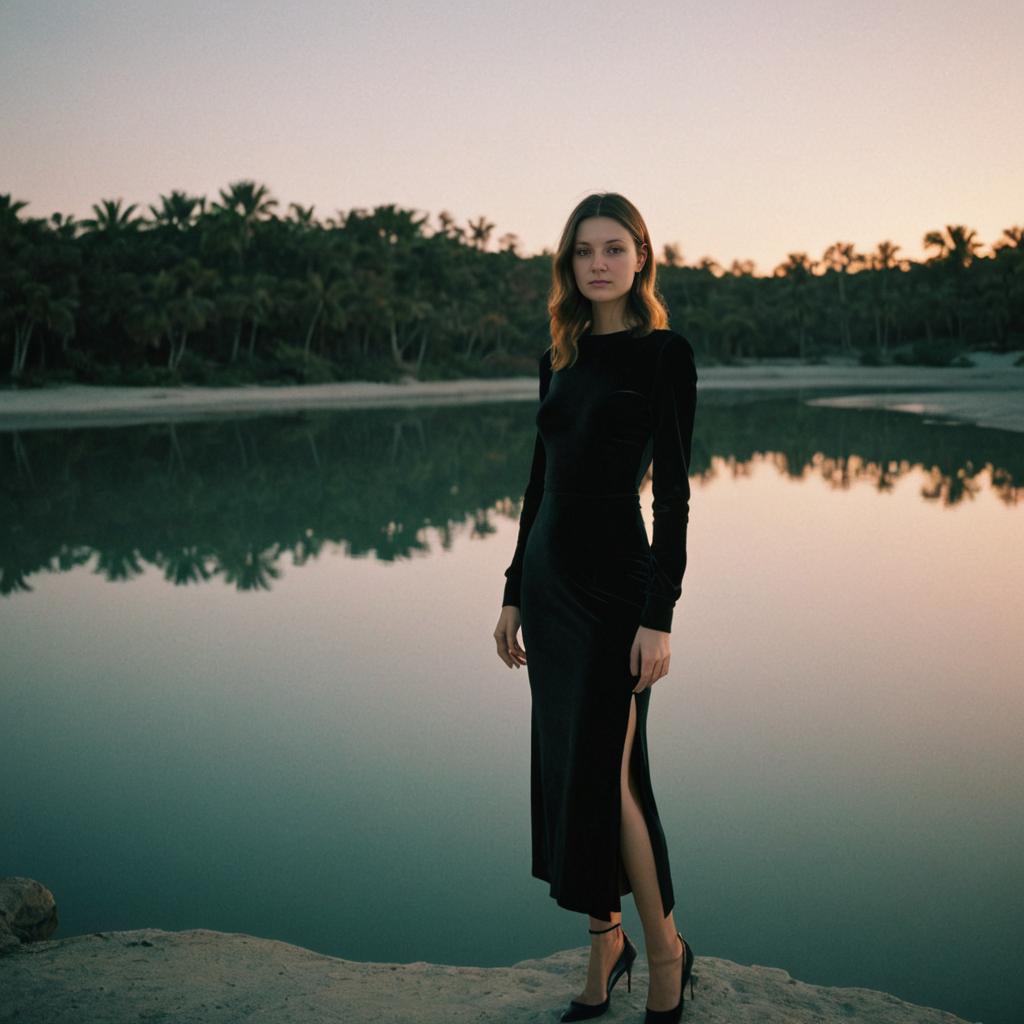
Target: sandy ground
(208,977)
(991,392)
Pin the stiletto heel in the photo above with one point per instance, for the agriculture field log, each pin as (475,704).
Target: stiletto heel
(673,1016)
(624,965)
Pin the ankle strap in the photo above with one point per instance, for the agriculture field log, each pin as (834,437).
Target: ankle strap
(601,931)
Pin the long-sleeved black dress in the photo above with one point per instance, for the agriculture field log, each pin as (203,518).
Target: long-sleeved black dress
(584,576)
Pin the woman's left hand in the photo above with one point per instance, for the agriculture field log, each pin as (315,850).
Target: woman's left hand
(649,657)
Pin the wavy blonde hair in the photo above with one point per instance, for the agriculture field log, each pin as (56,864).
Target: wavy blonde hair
(570,310)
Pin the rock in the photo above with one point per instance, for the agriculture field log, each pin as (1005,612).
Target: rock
(201,976)
(28,912)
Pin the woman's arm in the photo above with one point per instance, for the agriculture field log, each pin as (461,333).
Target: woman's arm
(675,405)
(531,497)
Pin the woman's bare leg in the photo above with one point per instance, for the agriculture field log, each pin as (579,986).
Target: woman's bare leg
(604,951)
(664,951)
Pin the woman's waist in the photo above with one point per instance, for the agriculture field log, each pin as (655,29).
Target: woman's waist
(600,518)
(569,495)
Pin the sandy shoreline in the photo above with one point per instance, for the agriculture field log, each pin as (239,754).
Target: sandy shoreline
(200,976)
(990,393)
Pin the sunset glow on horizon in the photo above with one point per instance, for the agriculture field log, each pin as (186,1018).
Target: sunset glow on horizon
(742,132)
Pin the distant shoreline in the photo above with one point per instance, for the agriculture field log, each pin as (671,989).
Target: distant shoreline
(990,393)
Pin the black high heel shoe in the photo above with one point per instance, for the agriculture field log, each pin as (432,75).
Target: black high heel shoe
(672,1016)
(584,1011)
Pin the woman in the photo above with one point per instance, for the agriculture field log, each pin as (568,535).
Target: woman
(595,599)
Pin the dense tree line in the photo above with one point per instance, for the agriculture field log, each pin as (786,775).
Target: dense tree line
(230,291)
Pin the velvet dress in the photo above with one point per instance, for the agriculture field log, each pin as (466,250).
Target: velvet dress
(584,576)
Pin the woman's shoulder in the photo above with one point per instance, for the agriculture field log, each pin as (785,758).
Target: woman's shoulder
(675,352)
(669,336)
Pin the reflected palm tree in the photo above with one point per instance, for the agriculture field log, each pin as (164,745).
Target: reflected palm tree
(188,564)
(118,566)
(392,484)
(949,490)
(306,548)
(249,569)
(13,580)
(71,556)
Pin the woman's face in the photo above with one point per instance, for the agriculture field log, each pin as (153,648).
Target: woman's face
(605,259)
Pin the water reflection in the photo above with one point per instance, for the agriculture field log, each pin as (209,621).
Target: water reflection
(336,757)
(229,500)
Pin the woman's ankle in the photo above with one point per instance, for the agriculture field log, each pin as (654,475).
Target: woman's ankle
(664,949)
(609,940)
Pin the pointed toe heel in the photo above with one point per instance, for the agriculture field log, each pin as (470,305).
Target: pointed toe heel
(624,965)
(674,1015)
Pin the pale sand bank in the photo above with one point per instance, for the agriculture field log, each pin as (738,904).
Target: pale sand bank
(201,976)
(993,390)
(1003,410)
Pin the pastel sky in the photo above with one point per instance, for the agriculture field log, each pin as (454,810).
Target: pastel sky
(741,129)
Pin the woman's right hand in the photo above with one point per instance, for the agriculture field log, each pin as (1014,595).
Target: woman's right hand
(506,636)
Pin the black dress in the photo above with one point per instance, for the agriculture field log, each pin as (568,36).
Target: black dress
(584,577)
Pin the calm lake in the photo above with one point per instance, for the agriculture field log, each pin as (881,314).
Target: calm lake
(248,683)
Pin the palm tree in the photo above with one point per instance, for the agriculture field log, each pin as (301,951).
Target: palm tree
(1009,268)
(183,305)
(302,216)
(926,299)
(147,319)
(1011,238)
(449,229)
(841,258)
(394,225)
(797,271)
(882,262)
(64,225)
(323,294)
(259,302)
(959,245)
(480,232)
(244,203)
(248,297)
(37,305)
(957,249)
(672,254)
(10,211)
(248,200)
(711,265)
(178,211)
(110,219)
